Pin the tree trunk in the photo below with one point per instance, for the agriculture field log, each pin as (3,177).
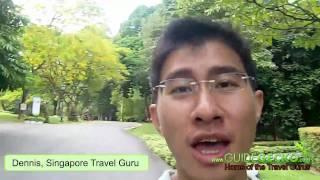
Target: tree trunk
(55,107)
(3,106)
(274,133)
(25,93)
(45,112)
(146,108)
(73,115)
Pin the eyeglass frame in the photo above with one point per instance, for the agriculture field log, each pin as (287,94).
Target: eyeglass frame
(244,76)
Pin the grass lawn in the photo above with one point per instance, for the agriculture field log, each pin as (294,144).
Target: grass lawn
(157,144)
(6,116)
(288,175)
(144,129)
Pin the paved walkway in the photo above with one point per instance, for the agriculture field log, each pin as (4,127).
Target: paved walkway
(81,138)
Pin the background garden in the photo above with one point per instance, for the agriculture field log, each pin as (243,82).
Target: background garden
(85,74)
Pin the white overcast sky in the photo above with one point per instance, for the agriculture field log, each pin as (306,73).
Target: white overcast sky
(116,11)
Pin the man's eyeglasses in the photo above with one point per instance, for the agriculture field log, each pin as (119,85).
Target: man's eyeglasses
(225,83)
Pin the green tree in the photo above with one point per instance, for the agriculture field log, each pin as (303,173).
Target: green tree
(285,40)
(12,68)
(70,65)
(291,90)
(132,51)
(9,99)
(266,20)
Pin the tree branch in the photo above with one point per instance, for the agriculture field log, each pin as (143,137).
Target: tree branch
(294,28)
(313,18)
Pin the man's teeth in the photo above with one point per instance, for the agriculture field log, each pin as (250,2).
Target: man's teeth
(209,140)
(209,151)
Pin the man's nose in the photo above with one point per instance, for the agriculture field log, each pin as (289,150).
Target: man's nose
(207,107)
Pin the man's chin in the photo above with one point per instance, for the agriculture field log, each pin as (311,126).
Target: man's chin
(215,171)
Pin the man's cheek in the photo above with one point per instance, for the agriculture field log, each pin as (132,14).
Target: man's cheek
(245,136)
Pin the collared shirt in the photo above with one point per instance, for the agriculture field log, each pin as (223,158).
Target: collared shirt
(167,175)
(252,175)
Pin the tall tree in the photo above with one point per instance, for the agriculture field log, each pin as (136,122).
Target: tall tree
(267,20)
(70,65)
(285,40)
(132,53)
(12,68)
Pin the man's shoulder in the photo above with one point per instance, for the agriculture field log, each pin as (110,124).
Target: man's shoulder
(167,174)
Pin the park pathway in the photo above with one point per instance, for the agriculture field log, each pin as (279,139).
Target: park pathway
(75,138)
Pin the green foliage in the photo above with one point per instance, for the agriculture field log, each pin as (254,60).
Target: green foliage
(290,88)
(310,141)
(159,146)
(10,99)
(265,21)
(131,108)
(274,149)
(285,41)
(133,48)
(302,149)
(144,129)
(6,116)
(103,102)
(133,26)
(274,143)
(135,54)
(288,175)
(12,68)
(71,67)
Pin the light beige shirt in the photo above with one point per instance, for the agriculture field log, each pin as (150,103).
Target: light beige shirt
(167,175)
(252,175)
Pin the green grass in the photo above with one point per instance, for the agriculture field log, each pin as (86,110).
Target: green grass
(288,175)
(275,143)
(8,117)
(158,145)
(144,129)
(56,120)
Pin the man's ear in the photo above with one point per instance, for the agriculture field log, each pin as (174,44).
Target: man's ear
(259,104)
(154,117)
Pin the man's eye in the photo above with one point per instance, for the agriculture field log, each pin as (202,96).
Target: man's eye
(226,84)
(181,90)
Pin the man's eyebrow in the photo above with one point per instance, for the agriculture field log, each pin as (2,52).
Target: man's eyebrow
(187,73)
(182,73)
(223,69)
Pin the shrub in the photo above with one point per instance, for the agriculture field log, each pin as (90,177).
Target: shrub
(274,143)
(310,140)
(131,108)
(159,146)
(274,149)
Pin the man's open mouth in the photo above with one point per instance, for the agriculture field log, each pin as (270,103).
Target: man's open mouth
(207,147)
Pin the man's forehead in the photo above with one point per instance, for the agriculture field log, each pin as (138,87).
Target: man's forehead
(190,73)
(210,58)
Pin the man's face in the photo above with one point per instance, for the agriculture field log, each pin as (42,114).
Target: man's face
(207,124)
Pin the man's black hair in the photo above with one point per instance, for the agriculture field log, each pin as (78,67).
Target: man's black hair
(196,32)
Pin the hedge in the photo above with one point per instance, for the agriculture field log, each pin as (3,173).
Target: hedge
(310,140)
(274,149)
(274,143)
(159,146)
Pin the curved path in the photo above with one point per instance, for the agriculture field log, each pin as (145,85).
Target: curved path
(79,138)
